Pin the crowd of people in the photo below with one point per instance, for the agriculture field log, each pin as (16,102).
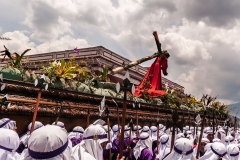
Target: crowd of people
(53,142)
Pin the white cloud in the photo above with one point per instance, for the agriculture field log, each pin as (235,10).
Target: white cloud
(64,43)
(18,43)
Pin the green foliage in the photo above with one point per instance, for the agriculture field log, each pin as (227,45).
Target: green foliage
(70,70)
(16,63)
(104,73)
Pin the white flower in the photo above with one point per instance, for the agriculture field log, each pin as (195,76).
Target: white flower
(54,63)
(74,75)
(172,91)
(59,63)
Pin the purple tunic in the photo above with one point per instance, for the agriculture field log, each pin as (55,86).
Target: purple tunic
(75,141)
(145,155)
(115,148)
(20,148)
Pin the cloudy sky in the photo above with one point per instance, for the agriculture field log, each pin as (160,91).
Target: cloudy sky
(202,36)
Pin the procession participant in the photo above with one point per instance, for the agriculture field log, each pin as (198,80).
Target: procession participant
(210,135)
(9,142)
(192,130)
(116,131)
(164,147)
(146,129)
(229,140)
(207,147)
(237,139)
(92,145)
(60,124)
(24,137)
(179,135)
(217,151)
(205,130)
(111,132)
(48,142)
(182,150)
(109,144)
(233,152)
(220,134)
(203,143)
(76,135)
(143,148)
(127,139)
(154,137)
(8,123)
(135,134)
(161,127)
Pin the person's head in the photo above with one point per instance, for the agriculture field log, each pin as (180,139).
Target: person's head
(60,124)
(210,136)
(9,141)
(49,142)
(37,125)
(203,143)
(8,124)
(95,135)
(145,141)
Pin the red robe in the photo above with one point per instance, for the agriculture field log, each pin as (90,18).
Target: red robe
(154,76)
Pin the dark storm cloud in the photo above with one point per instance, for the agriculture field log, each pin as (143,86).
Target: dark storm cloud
(213,12)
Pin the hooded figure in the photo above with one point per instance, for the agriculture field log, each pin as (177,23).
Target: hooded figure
(153,133)
(24,137)
(9,142)
(161,127)
(217,151)
(49,142)
(60,124)
(164,146)
(116,131)
(153,137)
(221,134)
(8,123)
(92,145)
(182,150)
(229,140)
(143,148)
(233,152)
(146,129)
(76,135)
(204,142)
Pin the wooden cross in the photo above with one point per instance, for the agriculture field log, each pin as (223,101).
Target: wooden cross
(161,53)
(125,87)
